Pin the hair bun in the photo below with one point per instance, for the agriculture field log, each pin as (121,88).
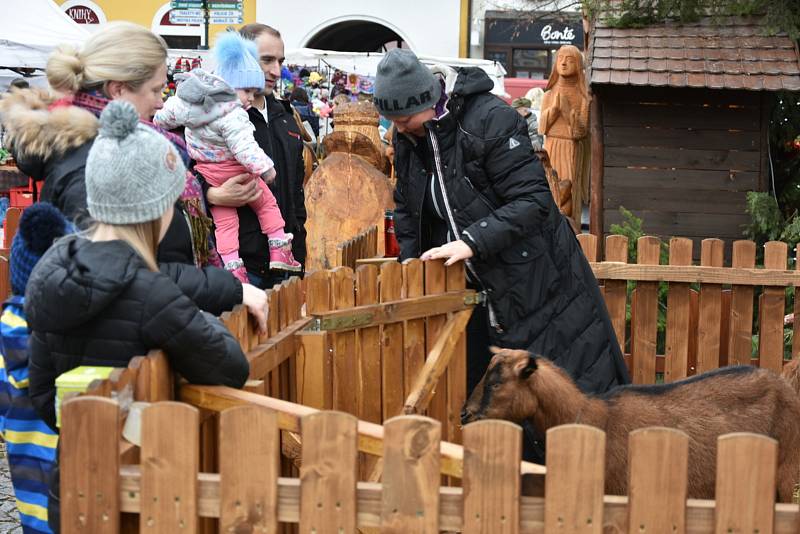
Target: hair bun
(118,120)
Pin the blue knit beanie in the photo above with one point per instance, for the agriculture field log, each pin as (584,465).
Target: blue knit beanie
(237,62)
(39,226)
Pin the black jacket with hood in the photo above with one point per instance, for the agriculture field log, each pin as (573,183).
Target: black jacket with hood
(542,293)
(97,303)
(53,146)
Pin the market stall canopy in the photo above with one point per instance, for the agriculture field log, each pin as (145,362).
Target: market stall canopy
(31,29)
(366,63)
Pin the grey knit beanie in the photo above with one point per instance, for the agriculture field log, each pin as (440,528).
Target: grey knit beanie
(133,173)
(403,85)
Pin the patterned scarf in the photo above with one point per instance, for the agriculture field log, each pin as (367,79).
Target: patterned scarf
(192,198)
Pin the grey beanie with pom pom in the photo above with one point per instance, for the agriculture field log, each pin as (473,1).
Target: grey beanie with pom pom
(133,173)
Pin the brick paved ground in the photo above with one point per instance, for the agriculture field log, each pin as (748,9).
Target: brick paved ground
(9,520)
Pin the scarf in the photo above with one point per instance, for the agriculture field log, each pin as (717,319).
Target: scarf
(192,199)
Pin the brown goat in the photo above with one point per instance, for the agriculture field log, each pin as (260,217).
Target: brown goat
(518,386)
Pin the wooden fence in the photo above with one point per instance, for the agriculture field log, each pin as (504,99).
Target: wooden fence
(710,309)
(364,245)
(170,492)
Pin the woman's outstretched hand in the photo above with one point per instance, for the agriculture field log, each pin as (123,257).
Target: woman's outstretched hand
(453,252)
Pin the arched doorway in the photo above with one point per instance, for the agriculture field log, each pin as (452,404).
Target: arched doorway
(356,36)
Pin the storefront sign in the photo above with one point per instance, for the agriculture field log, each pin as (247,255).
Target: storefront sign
(83,15)
(546,33)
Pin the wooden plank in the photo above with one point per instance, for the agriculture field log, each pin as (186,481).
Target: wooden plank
(368,385)
(698,139)
(676,365)
(209,456)
(249,449)
(745,492)
(328,473)
(491,485)
(672,200)
(318,292)
(410,497)
(170,463)
(414,333)
(344,344)
(685,223)
(710,310)
(10,226)
(267,356)
(699,513)
(616,291)
(315,371)
(437,363)
(392,343)
(684,117)
(682,179)
(724,328)
(644,316)
(90,497)
(686,97)
(435,283)
(597,166)
(400,310)
(658,459)
(456,280)
(588,244)
(155,381)
(695,274)
(773,302)
(575,478)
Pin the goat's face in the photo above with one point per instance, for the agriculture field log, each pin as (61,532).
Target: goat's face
(503,392)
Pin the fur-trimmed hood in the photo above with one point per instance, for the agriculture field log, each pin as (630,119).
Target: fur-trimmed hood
(33,132)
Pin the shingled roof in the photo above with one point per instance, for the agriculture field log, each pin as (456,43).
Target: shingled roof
(732,53)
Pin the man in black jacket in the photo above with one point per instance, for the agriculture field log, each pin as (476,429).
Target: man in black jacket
(469,187)
(279,136)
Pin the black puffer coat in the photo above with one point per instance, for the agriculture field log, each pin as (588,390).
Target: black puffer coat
(542,293)
(97,303)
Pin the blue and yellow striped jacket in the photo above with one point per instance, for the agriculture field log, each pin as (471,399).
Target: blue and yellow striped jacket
(31,444)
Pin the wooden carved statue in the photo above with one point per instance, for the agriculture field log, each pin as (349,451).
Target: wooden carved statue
(565,121)
(349,191)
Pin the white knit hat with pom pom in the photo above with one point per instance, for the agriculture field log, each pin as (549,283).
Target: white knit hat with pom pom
(133,173)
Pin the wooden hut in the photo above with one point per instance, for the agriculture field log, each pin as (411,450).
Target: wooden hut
(680,121)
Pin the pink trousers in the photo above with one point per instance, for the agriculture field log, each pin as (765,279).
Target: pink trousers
(226,219)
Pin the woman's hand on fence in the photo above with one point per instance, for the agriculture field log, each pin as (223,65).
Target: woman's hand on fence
(453,252)
(788,320)
(257,304)
(235,192)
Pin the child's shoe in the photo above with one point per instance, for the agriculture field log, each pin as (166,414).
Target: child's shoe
(236,267)
(280,255)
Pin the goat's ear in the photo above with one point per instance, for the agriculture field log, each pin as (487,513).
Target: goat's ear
(525,368)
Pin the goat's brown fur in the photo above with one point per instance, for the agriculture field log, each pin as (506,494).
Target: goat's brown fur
(518,386)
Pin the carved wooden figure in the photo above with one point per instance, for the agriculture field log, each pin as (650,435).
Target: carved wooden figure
(565,121)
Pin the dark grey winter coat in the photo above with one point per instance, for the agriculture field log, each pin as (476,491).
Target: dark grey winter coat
(542,291)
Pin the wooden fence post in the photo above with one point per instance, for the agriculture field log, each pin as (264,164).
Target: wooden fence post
(740,345)
(676,364)
(492,450)
(249,447)
(89,452)
(368,377)
(457,369)
(436,283)
(170,463)
(658,460)
(344,343)
(710,309)
(414,333)
(616,291)
(771,313)
(328,474)
(392,344)
(644,316)
(745,493)
(410,496)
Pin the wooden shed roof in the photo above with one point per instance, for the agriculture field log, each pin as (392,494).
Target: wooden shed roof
(731,53)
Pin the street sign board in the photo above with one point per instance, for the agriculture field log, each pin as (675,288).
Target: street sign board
(178,19)
(186,4)
(225,20)
(185,13)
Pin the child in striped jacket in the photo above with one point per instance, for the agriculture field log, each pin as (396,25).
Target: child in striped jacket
(30,443)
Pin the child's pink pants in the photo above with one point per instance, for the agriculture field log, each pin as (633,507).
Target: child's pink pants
(226,219)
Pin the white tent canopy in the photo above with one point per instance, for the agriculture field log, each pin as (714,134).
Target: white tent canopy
(366,63)
(31,29)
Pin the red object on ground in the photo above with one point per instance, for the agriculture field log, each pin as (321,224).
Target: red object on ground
(22,197)
(391,247)
(518,87)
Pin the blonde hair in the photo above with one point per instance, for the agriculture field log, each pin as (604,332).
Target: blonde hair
(120,52)
(143,237)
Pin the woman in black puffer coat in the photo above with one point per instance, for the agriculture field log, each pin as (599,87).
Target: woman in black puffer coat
(469,187)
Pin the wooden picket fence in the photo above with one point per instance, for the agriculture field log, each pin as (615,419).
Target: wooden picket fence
(170,492)
(364,245)
(707,328)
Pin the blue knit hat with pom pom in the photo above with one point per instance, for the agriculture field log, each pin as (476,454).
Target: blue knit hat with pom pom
(39,226)
(133,173)
(237,62)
